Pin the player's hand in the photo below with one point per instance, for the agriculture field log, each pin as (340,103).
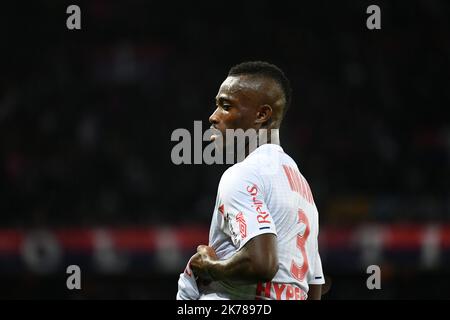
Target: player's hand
(207,252)
(201,261)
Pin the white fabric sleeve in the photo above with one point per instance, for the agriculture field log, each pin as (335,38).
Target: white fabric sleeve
(245,210)
(317,274)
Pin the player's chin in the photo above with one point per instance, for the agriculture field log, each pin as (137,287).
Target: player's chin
(216,136)
(218,141)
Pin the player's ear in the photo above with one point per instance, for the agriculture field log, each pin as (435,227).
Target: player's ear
(264,114)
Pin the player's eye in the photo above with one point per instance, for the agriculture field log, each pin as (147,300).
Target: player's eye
(226,107)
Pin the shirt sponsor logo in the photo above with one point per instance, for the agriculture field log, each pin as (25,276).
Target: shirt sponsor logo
(262,216)
(279,291)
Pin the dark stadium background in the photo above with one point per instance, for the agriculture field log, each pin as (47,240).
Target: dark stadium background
(86,118)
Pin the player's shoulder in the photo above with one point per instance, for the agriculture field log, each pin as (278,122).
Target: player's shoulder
(264,161)
(242,171)
(269,160)
(254,161)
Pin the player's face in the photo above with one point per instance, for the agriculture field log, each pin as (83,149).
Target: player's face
(236,105)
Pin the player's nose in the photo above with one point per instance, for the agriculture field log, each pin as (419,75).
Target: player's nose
(213,119)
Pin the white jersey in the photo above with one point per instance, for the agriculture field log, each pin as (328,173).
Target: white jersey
(266,193)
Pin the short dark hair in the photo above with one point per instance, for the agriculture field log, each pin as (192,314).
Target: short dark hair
(265,69)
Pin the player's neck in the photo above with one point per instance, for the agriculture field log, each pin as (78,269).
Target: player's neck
(265,136)
(273,136)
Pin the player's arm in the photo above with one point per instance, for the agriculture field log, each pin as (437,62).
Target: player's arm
(256,261)
(317,284)
(252,232)
(315,292)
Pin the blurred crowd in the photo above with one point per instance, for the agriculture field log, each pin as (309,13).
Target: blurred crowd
(86,116)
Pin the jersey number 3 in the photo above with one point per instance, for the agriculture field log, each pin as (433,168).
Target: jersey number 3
(299,271)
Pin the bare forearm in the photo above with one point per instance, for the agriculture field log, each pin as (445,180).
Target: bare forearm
(239,268)
(257,261)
